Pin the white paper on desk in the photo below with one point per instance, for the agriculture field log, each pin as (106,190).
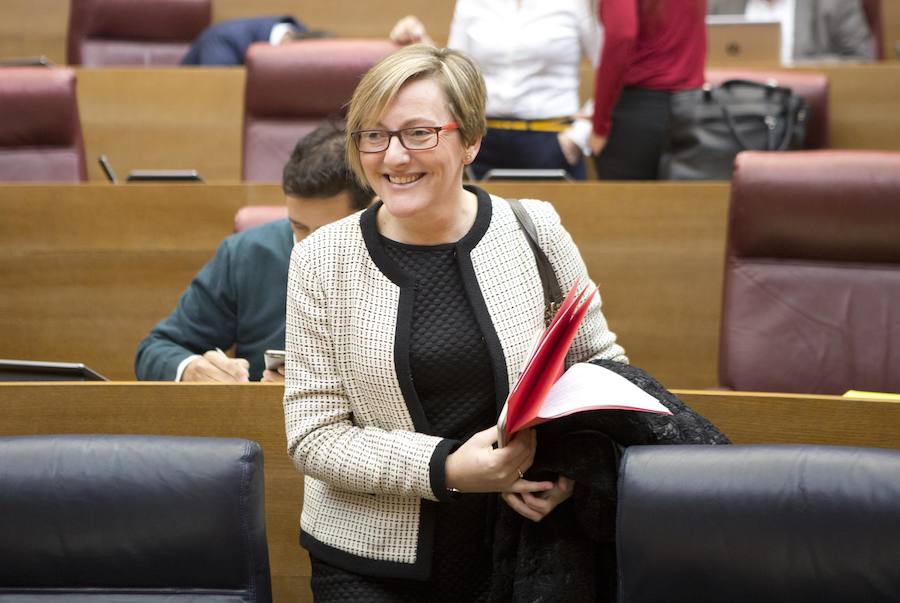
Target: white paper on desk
(587,386)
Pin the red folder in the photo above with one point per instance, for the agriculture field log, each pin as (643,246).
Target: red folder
(545,365)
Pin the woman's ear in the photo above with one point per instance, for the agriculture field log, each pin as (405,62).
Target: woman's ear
(472,151)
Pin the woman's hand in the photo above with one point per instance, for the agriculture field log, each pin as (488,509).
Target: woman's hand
(537,506)
(477,466)
(596,142)
(409,30)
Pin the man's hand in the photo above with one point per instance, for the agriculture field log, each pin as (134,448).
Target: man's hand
(596,142)
(273,376)
(217,367)
(477,466)
(409,30)
(537,506)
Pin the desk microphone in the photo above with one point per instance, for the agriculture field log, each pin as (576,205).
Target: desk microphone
(107,169)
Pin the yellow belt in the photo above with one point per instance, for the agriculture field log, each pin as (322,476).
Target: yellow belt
(538,125)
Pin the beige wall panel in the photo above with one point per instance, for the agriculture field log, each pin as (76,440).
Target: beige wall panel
(163,119)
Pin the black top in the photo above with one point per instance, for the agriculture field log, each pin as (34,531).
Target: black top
(453,378)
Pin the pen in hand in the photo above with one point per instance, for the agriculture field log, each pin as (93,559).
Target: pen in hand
(229,359)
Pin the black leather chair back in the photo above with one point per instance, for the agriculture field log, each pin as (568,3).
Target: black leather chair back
(132,518)
(759,523)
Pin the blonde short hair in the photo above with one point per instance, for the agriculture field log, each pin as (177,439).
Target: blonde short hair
(456,74)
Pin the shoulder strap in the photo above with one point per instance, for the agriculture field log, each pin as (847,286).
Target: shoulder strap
(552,293)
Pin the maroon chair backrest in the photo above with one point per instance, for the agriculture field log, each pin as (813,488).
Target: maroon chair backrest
(292,88)
(133,32)
(40,131)
(812,273)
(872,9)
(254,215)
(812,87)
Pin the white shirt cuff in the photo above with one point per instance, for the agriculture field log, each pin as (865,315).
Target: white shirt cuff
(579,132)
(183,365)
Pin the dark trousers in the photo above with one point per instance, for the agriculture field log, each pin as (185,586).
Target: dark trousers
(523,150)
(638,137)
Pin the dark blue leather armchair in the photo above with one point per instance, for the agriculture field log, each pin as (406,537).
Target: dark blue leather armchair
(759,523)
(132,518)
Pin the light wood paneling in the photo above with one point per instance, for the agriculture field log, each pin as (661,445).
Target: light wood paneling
(864,105)
(88,270)
(31,28)
(773,418)
(163,119)
(657,252)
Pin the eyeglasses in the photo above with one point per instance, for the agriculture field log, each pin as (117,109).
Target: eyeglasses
(417,138)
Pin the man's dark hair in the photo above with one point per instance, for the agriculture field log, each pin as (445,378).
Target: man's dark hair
(318,167)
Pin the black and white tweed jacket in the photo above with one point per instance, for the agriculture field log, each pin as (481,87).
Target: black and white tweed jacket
(354,425)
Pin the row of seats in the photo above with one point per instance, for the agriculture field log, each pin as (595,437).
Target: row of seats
(113,518)
(289,90)
(124,32)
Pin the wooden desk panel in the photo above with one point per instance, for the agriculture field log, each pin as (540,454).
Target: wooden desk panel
(657,252)
(166,118)
(254,411)
(88,270)
(773,418)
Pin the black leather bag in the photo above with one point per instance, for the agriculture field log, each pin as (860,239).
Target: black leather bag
(710,126)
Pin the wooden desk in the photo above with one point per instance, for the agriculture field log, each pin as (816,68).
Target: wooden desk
(254,411)
(163,119)
(88,270)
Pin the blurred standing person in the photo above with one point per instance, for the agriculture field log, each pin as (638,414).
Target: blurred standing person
(651,49)
(530,53)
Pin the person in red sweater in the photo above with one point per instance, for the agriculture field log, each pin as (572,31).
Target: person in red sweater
(651,49)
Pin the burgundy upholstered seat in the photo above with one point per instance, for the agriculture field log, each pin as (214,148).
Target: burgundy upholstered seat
(40,131)
(812,274)
(813,87)
(291,89)
(254,215)
(133,32)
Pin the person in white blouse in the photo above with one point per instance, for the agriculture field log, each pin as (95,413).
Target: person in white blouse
(530,52)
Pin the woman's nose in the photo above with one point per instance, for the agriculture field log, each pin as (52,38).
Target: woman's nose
(395,152)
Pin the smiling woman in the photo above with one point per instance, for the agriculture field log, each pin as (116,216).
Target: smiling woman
(405,326)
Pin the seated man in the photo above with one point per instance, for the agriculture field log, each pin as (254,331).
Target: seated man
(238,298)
(226,42)
(812,30)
